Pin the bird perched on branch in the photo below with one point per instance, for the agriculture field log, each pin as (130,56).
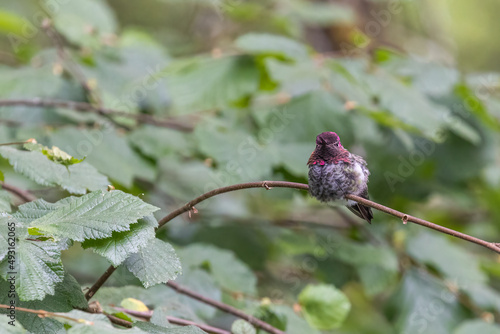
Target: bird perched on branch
(335,172)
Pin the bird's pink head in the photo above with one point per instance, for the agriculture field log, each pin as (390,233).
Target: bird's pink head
(328,138)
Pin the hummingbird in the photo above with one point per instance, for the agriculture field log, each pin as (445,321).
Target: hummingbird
(335,172)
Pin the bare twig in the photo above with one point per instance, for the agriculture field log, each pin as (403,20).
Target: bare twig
(225,308)
(22,194)
(87,107)
(174,320)
(491,245)
(240,186)
(45,314)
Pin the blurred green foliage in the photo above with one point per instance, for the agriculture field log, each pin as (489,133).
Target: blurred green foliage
(257,81)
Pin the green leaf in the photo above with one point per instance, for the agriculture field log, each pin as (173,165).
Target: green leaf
(121,244)
(477,326)
(76,179)
(81,23)
(318,13)
(213,83)
(273,45)
(94,216)
(158,142)
(294,323)
(155,263)
(241,326)
(155,329)
(67,296)
(199,281)
(105,150)
(475,106)
(324,306)
(31,211)
(4,201)
(454,262)
(53,154)
(407,104)
(226,269)
(36,267)
(6,328)
(12,23)
(239,156)
(412,310)
(266,313)
(25,81)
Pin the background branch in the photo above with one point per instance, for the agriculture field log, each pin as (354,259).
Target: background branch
(174,320)
(225,308)
(25,195)
(87,107)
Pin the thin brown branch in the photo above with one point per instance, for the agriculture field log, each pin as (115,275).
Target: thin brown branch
(87,107)
(259,184)
(15,143)
(174,320)
(44,314)
(225,308)
(407,218)
(22,194)
(104,277)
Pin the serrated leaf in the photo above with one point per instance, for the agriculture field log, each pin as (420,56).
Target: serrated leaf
(39,268)
(121,244)
(94,216)
(267,44)
(324,306)
(7,232)
(155,263)
(225,267)
(213,83)
(241,326)
(76,179)
(68,295)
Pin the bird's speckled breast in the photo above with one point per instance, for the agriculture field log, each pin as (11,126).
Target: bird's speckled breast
(330,182)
